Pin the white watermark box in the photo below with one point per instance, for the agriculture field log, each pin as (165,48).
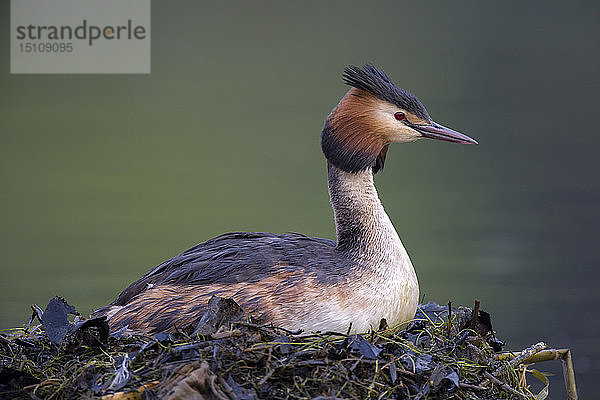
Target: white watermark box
(80,36)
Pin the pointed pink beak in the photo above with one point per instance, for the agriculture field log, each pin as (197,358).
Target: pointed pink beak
(439,132)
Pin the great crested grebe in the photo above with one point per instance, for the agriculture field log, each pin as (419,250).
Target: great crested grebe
(300,282)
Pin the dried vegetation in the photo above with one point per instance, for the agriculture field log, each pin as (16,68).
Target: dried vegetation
(444,353)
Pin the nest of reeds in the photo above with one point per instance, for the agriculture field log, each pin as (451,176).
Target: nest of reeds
(445,353)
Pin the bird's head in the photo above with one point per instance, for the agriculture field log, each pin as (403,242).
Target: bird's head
(372,115)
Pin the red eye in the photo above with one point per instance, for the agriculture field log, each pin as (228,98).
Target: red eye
(399,116)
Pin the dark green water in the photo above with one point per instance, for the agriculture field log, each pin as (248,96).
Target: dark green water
(104,176)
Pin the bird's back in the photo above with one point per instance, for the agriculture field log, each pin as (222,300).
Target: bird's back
(264,272)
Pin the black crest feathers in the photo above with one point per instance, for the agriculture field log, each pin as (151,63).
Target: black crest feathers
(381,86)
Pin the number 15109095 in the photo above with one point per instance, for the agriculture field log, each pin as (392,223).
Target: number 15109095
(46,47)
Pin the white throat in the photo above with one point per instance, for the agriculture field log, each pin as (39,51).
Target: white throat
(385,276)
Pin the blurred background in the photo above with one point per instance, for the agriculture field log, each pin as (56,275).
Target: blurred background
(104,176)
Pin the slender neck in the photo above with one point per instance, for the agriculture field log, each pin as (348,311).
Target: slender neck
(363,228)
